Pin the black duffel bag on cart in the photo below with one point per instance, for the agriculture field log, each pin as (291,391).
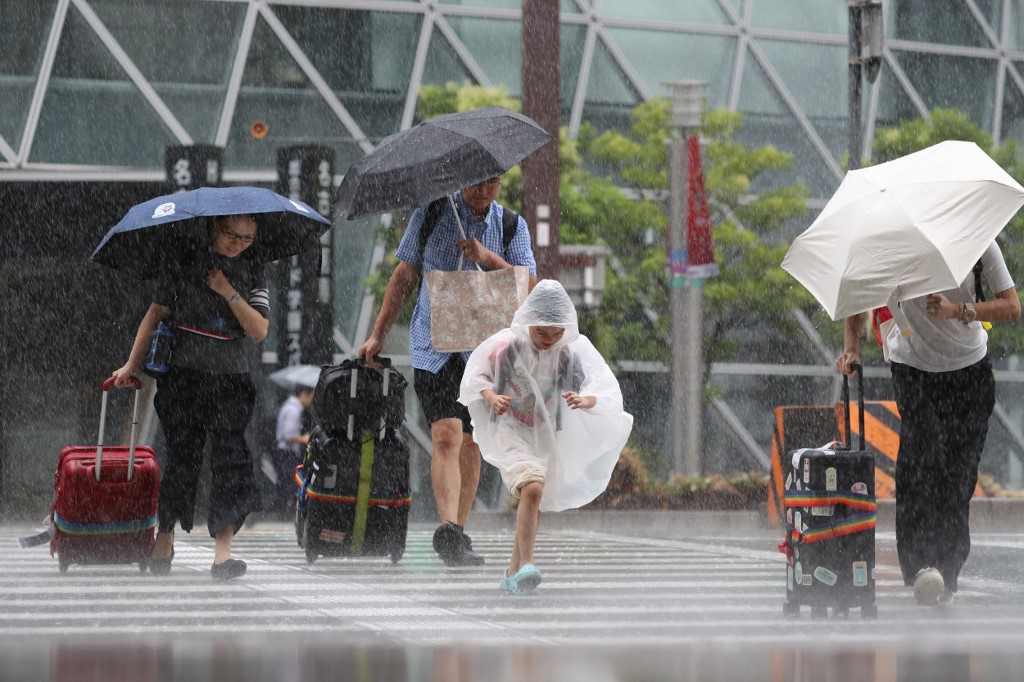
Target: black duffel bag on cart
(353,485)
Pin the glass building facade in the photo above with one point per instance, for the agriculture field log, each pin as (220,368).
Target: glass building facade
(93,91)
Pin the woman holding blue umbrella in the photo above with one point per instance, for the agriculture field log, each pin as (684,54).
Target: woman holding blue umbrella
(206,249)
(216,299)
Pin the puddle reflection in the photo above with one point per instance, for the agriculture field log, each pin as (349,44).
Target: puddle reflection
(313,659)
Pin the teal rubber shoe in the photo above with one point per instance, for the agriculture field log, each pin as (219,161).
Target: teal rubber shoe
(508,585)
(527,578)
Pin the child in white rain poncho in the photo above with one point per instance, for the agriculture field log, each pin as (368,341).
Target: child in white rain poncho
(547,411)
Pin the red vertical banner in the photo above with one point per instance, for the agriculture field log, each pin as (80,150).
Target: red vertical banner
(700,247)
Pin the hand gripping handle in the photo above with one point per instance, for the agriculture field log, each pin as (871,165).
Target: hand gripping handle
(107,385)
(858,369)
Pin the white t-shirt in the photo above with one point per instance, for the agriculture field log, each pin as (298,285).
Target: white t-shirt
(942,345)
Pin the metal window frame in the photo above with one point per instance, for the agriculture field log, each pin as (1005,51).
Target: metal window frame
(315,77)
(42,81)
(434,15)
(579,99)
(227,112)
(134,74)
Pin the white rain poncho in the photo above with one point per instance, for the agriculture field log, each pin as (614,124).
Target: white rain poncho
(540,437)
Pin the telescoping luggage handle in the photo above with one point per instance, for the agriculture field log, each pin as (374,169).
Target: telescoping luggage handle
(858,369)
(107,385)
(354,388)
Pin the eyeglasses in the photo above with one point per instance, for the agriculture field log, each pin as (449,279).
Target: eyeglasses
(238,238)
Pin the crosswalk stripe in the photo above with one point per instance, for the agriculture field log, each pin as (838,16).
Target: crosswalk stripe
(597,587)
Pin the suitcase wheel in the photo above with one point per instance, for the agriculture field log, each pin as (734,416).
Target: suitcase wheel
(791,609)
(309,544)
(869,611)
(300,529)
(819,612)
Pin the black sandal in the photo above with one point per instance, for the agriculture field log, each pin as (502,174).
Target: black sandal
(161,567)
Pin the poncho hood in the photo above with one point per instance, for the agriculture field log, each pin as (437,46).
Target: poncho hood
(547,306)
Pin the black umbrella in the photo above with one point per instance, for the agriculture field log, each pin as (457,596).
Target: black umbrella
(177,224)
(438,157)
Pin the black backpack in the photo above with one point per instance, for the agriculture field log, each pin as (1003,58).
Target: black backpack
(509,224)
(570,373)
(352,397)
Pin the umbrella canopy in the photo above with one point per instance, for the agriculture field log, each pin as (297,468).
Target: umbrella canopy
(438,157)
(177,223)
(902,229)
(293,376)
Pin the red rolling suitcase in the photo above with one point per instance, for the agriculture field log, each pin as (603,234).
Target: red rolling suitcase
(104,502)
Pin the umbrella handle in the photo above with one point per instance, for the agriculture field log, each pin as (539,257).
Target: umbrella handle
(462,231)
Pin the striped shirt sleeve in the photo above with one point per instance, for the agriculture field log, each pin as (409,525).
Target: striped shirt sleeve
(259,299)
(259,294)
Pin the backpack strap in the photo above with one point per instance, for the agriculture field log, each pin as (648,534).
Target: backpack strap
(570,371)
(509,224)
(979,292)
(506,366)
(433,212)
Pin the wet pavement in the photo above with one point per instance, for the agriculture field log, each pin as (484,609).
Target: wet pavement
(658,600)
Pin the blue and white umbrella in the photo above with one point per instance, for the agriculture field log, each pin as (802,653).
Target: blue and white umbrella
(178,223)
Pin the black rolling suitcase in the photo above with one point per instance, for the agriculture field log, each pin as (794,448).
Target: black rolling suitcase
(831,515)
(354,491)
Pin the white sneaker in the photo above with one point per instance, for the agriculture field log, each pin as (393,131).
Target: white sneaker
(928,586)
(946,597)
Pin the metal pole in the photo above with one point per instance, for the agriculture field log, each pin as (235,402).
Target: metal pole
(693,383)
(682,456)
(856,146)
(686,297)
(854,104)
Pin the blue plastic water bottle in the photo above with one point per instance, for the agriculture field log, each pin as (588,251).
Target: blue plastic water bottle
(158,360)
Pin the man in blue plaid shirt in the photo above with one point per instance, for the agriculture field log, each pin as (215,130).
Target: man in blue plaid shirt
(455,464)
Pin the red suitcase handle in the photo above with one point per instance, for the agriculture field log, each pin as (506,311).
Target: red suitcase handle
(107,385)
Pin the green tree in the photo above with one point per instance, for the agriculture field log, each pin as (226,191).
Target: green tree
(752,291)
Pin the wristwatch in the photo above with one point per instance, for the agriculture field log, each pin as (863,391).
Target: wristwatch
(967,313)
(235,299)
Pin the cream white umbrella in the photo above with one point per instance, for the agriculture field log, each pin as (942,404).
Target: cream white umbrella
(902,229)
(293,376)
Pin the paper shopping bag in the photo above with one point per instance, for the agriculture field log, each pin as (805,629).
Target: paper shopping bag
(467,306)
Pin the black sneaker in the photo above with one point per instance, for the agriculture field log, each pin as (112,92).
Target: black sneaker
(454,548)
(470,557)
(228,570)
(448,543)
